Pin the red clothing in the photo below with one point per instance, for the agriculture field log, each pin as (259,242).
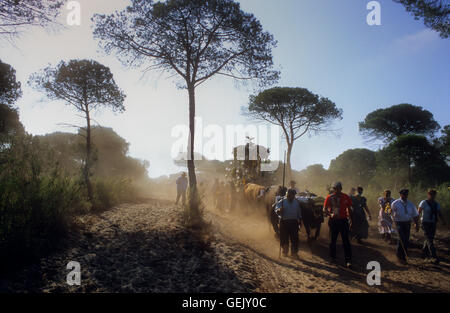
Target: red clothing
(338,210)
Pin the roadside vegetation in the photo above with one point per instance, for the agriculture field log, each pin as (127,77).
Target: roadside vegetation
(45,182)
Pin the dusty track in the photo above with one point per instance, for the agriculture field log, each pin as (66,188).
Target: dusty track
(314,272)
(145,248)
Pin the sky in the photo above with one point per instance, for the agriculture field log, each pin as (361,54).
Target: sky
(325,46)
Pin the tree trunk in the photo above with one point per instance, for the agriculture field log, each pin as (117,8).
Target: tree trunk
(190,161)
(87,164)
(288,163)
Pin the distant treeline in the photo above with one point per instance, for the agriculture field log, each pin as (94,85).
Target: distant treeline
(411,161)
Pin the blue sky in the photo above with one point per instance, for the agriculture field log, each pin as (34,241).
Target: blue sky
(323,45)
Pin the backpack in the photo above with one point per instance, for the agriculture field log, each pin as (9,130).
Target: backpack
(433,206)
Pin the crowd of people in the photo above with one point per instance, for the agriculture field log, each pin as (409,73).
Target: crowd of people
(348,216)
(223,195)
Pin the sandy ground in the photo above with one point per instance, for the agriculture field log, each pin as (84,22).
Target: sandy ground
(144,248)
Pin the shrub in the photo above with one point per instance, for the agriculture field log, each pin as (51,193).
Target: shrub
(443,197)
(37,201)
(34,206)
(108,193)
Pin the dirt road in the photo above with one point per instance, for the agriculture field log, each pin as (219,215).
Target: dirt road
(144,248)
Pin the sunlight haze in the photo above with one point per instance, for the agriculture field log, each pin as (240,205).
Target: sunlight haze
(325,46)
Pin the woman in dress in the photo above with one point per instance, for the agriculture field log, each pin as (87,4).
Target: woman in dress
(360,225)
(385,222)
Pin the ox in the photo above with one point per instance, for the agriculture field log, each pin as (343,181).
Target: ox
(312,213)
(254,193)
(259,196)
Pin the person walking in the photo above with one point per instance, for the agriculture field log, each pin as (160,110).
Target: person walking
(352,192)
(233,196)
(290,219)
(182,184)
(215,193)
(385,222)
(360,225)
(274,218)
(292,185)
(220,196)
(403,212)
(338,206)
(429,210)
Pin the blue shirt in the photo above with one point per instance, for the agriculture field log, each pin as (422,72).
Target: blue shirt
(427,215)
(291,210)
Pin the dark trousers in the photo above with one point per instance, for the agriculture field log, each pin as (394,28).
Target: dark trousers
(340,226)
(429,230)
(404,230)
(289,232)
(182,194)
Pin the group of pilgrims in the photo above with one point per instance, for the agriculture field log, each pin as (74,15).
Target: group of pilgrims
(348,216)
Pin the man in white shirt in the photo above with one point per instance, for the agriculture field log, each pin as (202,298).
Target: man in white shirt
(403,212)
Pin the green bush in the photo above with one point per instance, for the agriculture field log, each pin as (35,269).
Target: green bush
(443,197)
(108,193)
(37,201)
(34,206)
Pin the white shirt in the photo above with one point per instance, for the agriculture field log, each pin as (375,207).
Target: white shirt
(427,216)
(403,212)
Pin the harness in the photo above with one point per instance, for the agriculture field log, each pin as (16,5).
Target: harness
(434,210)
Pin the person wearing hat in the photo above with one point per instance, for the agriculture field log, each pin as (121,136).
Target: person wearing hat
(292,185)
(403,212)
(290,219)
(338,206)
(182,184)
(429,210)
